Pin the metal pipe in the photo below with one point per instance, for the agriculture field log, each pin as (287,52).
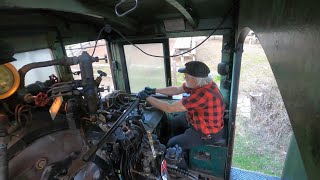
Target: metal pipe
(113,66)
(89,84)
(3,162)
(234,101)
(71,108)
(63,62)
(235,81)
(4,140)
(26,68)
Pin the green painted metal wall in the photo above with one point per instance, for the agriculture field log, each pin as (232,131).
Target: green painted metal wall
(209,159)
(289,32)
(293,168)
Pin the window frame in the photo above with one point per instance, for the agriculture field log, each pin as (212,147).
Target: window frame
(166,53)
(55,68)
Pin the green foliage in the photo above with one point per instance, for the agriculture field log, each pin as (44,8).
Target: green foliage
(180,79)
(217,79)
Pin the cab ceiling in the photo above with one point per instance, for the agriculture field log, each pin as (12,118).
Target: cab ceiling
(148,17)
(81,20)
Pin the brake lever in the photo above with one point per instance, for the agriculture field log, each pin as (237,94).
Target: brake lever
(89,154)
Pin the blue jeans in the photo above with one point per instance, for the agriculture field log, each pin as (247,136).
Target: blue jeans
(188,137)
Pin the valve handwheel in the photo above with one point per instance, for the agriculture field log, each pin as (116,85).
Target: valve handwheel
(41,99)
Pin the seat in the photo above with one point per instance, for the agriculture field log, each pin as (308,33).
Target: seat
(208,159)
(211,159)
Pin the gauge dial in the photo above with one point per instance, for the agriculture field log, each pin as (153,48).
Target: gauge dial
(9,80)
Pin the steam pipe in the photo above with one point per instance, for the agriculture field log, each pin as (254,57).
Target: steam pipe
(4,140)
(88,82)
(66,61)
(3,162)
(26,68)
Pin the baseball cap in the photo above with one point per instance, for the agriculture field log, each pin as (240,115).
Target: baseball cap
(196,69)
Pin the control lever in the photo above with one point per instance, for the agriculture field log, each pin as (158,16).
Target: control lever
(88,154)
(99,78)
(149,134)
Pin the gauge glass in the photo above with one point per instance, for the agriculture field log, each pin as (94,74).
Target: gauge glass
(9,80)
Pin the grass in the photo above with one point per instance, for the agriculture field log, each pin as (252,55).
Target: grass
(252,151)
(248,156)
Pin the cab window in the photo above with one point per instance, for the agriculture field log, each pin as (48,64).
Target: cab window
(38,74)
(143,69)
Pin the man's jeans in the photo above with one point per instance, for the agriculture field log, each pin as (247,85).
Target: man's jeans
(190,137)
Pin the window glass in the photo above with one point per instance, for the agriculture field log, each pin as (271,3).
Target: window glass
(209,53)
(144,70)
(38,74)
(102,65)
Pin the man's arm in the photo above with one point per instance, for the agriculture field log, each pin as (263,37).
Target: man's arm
(166,107)
(172,90)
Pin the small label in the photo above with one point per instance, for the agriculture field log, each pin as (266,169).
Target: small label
(54,109)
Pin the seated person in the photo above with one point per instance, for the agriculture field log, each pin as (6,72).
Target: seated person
(204,107)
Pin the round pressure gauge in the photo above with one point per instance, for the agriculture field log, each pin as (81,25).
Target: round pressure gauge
(9,80)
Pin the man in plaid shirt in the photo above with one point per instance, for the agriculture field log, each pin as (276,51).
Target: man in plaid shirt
(204,107)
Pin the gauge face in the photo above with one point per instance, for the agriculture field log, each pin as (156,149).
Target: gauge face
(9,80)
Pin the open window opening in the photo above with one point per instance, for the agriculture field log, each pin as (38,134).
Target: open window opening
(98,67)
(143,69)
(209,53)
(263,128)
(39,74)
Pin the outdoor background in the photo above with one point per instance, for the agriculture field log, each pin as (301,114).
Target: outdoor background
(263,129)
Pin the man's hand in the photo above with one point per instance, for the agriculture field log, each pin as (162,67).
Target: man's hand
(150,90)
(142,95)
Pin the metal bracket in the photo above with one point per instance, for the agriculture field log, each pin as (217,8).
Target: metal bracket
(123,14)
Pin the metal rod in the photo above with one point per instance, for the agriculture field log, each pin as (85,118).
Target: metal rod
(3,162)
(94,148)
(234,97)
(26,68)
(4,140)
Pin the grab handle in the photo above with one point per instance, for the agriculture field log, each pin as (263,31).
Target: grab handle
(122,14)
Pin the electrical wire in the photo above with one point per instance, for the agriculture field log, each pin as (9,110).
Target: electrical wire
(94,49)
(176,55)
(16,114)
(214,30)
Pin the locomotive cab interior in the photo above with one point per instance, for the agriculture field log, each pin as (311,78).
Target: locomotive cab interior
(56,126)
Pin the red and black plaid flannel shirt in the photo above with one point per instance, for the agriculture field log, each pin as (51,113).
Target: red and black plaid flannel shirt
(205,108)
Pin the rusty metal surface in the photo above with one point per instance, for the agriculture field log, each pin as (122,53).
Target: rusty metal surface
(30,163)
(289,32)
